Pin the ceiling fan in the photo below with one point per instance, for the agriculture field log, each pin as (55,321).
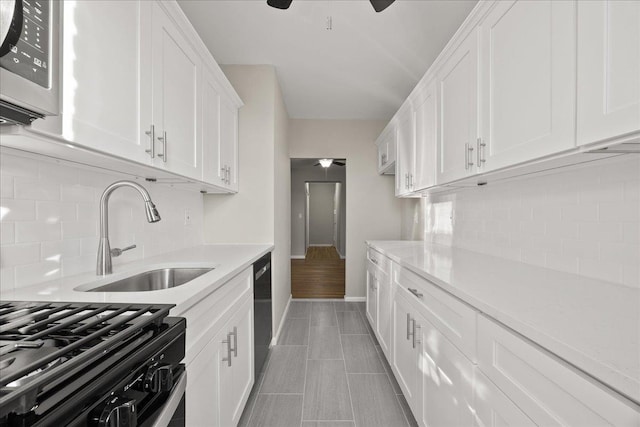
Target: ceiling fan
(325,163)
(378,5)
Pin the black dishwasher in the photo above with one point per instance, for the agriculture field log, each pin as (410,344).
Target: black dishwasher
(262,309)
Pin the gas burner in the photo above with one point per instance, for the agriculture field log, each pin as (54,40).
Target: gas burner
(34,374)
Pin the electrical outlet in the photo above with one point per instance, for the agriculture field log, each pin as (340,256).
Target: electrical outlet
(187,217)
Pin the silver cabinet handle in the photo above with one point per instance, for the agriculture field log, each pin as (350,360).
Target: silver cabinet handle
(235,341)
(410,180)
(228,175)
(413,332)
(408,326)
(163,138)
(228,343)
(151,133)
(223,174)
(481,147)
(384,159)
(415,292)
(470,156)
(416,327)
(406,179)
(373,260)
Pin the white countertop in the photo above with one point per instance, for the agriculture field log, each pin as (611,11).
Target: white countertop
(592,324)
(227,261)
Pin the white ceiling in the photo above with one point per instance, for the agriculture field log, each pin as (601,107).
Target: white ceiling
(361,69)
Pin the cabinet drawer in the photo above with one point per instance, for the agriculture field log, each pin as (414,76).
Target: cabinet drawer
(547,389)
(493,408)
(203,316)
(379,260)
(453,318)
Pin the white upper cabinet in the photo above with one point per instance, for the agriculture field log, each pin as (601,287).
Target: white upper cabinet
(176,97)
(458,95)
(211,171)
(426,122)
(100,79)
(528,82)
(608,69)
(386,145)
(229,144)
(405,149)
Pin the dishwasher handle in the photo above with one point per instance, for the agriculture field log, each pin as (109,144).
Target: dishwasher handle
(263,270)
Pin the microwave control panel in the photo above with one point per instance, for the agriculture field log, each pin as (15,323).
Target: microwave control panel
(30,56)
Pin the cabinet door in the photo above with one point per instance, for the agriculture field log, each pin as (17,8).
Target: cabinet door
(241,380)
(102,78)
(176,74)
(493,408)
(211,171)
(229,143)
(528,82)
(205,389)
(458,96)
(447,380)
(405,353)
(372,295)
(405,165)
(384,312)
(426,122)
(608,69)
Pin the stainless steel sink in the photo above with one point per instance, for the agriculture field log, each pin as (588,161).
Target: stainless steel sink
(153,280)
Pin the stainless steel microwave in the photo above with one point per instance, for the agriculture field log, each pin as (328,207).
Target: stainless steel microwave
(29,60)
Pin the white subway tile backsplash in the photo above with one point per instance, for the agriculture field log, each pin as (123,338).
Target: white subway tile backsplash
(78,193)
(32,189)
(32,231)
(17,210)
(583,220)
(13,255)
(53,212)
(7,233)
(6,187)
(50,217)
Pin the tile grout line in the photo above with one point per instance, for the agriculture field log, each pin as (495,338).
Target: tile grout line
(346,374)
(306,365)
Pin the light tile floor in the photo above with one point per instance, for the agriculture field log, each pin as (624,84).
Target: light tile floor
(326,371)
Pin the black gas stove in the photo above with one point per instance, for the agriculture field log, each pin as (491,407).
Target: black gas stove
(90,364)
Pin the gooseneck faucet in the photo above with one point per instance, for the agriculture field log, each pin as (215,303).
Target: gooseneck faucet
(105,252)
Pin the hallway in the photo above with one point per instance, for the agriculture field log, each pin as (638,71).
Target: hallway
(326,371)
(319,275)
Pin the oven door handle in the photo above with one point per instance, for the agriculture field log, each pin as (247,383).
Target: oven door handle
(172,402)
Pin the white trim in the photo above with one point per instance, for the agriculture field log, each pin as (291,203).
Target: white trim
(274,340)
(298,257)
(355,299)
(343,257)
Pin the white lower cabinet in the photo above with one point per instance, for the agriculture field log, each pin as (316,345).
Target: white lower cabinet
(372,296)
(383,326)
(433,342)
(447,381)
(493,408)
(405,353)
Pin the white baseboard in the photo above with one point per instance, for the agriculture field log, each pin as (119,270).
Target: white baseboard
(320,244)
(355,299)
(317,299)
(274,340)
(343,257)
(297,257)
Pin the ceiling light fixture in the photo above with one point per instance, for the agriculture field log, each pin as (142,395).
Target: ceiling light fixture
(378,5)
(325,163)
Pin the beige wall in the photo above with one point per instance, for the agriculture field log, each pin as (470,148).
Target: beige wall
(259,213)
(282,212)
(372,210)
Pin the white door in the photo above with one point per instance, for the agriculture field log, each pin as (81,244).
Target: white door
(229,143)
(458,97)
(608,69)
(528,82)
(405,152)
(493,408)
(426,122)
(372,295)
(211,172)
(447,377)
(405,352)
(176,73)
(336,216)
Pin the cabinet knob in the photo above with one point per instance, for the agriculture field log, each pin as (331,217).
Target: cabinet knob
(159,378)
(118,411)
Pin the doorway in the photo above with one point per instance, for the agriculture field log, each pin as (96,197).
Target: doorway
(318,219)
